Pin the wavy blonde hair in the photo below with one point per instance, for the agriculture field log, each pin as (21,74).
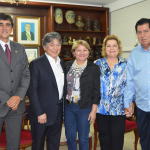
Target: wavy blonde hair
(107,38)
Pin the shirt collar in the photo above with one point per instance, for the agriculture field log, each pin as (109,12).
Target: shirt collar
(148,50)
(120,59)
(2,43)
(51,59)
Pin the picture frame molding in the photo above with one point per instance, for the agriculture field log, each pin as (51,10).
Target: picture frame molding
(30,20)
(32,53)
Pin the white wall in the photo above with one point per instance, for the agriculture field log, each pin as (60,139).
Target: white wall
(122,23)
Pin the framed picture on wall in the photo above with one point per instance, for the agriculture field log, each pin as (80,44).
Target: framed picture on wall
(11,34)
(11,38)
(28,30)
(32,53)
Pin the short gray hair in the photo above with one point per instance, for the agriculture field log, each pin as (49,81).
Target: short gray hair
(49,37)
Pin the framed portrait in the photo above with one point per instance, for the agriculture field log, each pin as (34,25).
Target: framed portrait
(32,53)
(28,30)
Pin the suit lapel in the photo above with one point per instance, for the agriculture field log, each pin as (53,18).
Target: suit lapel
(14,53)
(62,65)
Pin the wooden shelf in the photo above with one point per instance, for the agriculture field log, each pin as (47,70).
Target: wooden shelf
(70,32)
(80,31)
(90,45)
(67,58)
(46,13)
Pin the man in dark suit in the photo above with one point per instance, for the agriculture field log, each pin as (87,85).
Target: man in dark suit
(27,34)
(14,81)
(46,93)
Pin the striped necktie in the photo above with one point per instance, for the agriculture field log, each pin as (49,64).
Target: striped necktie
(8,53)
(28,36)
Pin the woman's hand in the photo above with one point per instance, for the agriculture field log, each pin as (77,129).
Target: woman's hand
(92,115)
(129,111)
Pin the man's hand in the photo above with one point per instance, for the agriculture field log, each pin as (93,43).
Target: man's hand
(42,118)
(129,111)
(13,102)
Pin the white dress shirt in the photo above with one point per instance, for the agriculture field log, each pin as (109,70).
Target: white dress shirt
(3,45)
(58,73)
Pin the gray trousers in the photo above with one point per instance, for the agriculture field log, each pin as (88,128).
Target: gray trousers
(13,123)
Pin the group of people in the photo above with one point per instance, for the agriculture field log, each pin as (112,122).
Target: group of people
(79,91)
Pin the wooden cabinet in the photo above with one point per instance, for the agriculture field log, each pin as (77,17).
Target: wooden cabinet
(94,22)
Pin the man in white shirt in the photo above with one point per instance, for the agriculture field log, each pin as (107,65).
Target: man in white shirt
(46,94)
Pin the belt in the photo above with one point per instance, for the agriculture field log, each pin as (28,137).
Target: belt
(70,102)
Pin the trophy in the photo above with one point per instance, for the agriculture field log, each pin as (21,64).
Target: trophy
(88,24)
(79,23)
(64,40)
(96,25)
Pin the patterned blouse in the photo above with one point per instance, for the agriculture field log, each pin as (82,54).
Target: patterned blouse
(73,82)
(113,83)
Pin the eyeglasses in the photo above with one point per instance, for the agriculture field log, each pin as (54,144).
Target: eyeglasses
(5,25)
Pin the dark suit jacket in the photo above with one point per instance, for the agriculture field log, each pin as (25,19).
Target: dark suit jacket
(14,77)
(89,84)
(24,37)
(43,91)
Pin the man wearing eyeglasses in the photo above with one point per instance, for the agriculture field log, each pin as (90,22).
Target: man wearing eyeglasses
(14,81)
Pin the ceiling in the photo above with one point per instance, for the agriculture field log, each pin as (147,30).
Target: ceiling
(81,2)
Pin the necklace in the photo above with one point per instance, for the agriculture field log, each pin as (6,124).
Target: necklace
(80,65)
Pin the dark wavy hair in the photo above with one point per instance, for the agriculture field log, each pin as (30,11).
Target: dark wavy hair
(141,22)
(4,16)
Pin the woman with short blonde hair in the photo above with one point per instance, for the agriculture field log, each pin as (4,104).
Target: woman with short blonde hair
(110,115)
(82,96)
(111,37)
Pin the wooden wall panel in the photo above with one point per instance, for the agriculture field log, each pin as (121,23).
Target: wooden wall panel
(26,10)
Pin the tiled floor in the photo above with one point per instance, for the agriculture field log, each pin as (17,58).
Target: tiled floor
(128,143)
